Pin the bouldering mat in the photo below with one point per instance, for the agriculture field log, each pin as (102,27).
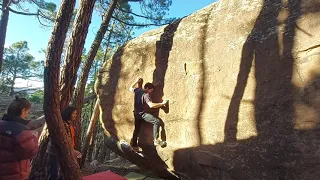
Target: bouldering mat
(104,175)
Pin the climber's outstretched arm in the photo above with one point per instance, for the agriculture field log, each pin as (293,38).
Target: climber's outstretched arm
(133,86)
(157,105)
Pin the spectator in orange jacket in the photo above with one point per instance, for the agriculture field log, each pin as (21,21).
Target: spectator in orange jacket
(53,168)
(17,143)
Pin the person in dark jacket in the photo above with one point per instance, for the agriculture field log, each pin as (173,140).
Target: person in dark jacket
(53,168)
(18,143)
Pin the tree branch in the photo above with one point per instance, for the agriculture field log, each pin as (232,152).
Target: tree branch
(36,3)
(139,25)
(23,13)
(101,1)
(122,25)
(8,4)
(45,17)
(129,12)
(39,13)
(138,15)
(42,23)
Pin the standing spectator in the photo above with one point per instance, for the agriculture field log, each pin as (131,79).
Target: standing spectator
(18,143)
(53,168)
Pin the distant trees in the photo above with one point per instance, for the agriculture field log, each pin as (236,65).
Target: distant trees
(44,11)
(18,63)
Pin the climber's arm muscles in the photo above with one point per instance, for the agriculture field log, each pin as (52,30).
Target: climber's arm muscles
(133,85)
(131,89)
(155,105)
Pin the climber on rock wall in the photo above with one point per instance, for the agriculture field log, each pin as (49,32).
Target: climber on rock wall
(144,110)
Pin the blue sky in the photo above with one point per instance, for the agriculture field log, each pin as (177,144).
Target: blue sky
(27,28)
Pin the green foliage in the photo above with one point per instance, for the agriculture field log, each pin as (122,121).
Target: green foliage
(46,11)
(99,58)
(121,31)
(17,63)
(36,97)
(118,33)
(44,5)
(155,9)
(49,6)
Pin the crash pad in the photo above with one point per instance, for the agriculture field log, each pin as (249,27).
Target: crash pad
(104,175)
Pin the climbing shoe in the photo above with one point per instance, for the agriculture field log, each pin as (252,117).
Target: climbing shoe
(159,143)
(135,148)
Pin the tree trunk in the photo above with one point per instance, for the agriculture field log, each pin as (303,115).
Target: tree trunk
(12,84)
(108,43)
(79,93)
(98,143)
(92,143)
(91,128)
(74,53)
(57,130)
(3,28)
(105,152)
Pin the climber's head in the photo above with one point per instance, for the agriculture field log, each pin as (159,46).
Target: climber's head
(148,87)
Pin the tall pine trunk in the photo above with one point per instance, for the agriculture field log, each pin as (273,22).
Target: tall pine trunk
(79,93)
(3,28)
(92,144)
(74,52)
(89,139)
(58,135)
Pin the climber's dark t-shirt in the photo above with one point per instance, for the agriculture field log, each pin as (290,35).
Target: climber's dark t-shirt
(141,100)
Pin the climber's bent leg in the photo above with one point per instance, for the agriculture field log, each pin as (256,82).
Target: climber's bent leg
(156,123)
(153,120)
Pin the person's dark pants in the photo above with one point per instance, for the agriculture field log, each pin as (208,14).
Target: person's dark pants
(137,125)
(53,167)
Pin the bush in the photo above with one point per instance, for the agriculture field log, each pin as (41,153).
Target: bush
(36,97)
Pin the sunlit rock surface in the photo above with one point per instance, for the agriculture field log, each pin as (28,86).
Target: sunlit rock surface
(243,81)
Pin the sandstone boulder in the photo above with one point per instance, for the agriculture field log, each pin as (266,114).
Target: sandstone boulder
(243,81)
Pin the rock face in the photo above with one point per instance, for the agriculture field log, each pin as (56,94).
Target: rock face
(243,81)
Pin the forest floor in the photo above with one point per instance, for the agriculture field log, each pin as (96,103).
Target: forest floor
(121,167)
